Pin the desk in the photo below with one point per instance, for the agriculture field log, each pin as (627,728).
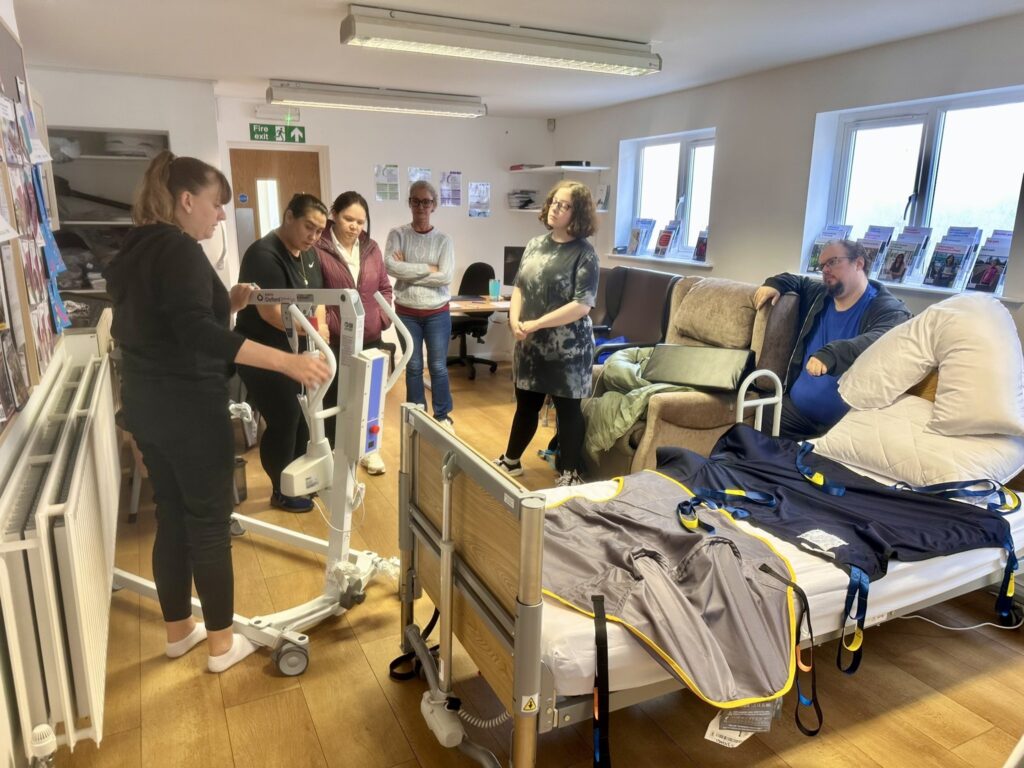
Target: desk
(464,305)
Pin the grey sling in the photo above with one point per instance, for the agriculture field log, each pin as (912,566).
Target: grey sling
(694,593)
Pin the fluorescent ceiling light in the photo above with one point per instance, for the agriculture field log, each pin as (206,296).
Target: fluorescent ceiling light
(299,94)
(447,36)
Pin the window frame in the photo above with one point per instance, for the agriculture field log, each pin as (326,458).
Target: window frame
(931,115)
(688,141)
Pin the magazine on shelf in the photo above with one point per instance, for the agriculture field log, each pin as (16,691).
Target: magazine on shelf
(836,232)
(700,250)
(640,236)
(874,252)
(988,270)
(878,232)
(949,266)
(666,238)
(896,264)
(828,234)
(921,236)
(814,261)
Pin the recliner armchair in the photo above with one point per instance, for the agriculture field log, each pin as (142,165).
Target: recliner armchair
(637,303)
(709,312)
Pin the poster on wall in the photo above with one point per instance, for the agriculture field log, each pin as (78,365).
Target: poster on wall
(386,182)
(451,189)
(479,199)
(419,174)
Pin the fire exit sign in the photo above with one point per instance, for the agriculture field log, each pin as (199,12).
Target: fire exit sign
(292,134)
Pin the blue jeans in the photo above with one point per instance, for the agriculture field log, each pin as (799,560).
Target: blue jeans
(435,330)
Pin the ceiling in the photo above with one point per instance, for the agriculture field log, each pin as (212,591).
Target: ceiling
(242,43)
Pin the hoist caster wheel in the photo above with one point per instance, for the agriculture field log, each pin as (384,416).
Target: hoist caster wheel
(292,660)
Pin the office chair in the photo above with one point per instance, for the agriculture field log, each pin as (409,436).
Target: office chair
(474,283)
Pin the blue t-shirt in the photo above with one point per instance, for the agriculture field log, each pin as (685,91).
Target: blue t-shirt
(817,397)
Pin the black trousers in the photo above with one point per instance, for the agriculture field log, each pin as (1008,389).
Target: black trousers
(331,396)
(570,427)
(184,432)
(286,435)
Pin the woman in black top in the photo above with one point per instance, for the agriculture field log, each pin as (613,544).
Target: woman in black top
(285,258)
(171,316)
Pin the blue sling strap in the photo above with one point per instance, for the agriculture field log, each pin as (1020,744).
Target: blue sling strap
(815,478)
(1006,499)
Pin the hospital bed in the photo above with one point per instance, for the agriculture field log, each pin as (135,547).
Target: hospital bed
(471,538)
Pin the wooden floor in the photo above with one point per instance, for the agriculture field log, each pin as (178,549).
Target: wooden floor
(923,697)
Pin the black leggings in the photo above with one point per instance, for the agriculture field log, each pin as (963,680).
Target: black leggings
(187,442)
(570,427)
(286,435)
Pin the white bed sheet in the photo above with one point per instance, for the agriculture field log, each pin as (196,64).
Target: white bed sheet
(568,637)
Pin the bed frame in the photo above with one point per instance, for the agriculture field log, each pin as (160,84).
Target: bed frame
(472,539)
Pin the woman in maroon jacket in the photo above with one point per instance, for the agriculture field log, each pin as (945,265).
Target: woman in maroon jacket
(349,258)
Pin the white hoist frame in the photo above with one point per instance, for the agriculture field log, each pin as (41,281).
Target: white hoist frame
(361,394)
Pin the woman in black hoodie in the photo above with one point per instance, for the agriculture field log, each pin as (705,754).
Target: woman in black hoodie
(171,315)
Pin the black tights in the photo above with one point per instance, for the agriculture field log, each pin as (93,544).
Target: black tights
(570,427)
(286,435)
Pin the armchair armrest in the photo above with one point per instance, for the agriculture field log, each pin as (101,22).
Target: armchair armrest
(602,329)
(693,420)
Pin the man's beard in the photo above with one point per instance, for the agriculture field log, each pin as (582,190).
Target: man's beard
(836,289)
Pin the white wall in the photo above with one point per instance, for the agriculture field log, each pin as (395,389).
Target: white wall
(7,16)
(185,109)
(482,149)
(765,127)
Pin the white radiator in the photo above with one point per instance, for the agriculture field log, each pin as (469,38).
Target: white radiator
(58,516)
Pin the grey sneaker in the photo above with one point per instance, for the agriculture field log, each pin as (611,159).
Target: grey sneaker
(447,423)
(509,467)
(569,478)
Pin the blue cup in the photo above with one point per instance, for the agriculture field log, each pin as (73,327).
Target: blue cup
(494,289)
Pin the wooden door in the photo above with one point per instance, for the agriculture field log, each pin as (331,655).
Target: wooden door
(292,171)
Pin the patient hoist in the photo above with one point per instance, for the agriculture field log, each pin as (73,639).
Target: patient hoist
(363,384)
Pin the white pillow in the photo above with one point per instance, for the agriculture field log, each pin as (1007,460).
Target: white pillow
(894,442)
(973,341)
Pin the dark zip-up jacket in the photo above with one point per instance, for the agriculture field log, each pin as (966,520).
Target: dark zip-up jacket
(884,312)
(171,311)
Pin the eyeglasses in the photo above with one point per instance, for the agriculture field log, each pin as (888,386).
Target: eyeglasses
(558,206)
(420,202)
(831,263)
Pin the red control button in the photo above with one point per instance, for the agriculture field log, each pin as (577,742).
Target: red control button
(374,429)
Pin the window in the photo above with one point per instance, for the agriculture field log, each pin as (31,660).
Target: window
(268,205)
(671,185)
(955,162)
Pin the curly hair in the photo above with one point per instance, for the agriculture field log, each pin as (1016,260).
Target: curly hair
(584,213)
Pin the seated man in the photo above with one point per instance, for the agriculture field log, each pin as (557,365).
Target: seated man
(841,315)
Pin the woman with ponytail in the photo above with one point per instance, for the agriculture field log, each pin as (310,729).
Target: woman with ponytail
(171,315)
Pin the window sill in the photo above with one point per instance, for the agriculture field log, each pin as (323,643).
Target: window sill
(939,293)
(662,260)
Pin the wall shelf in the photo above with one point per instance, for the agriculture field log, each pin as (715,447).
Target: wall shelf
(563,169)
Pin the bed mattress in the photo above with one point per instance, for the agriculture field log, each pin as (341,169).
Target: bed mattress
(568,636)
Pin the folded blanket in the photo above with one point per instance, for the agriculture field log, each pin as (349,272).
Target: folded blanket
(623,403)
